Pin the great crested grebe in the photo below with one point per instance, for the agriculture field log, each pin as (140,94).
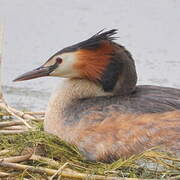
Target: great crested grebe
(99,108)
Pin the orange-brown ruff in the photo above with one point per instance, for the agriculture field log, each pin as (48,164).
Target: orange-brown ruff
(99,108)
(88,66)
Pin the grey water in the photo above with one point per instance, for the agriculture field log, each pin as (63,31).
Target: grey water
(34,30)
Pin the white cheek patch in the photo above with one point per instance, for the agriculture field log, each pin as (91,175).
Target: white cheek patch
(65,69)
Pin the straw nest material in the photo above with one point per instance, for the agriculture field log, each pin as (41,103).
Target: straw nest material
(27,152)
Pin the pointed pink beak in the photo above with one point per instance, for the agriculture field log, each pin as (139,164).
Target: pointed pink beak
(36,73)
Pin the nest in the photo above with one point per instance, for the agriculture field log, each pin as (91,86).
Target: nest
(27,152)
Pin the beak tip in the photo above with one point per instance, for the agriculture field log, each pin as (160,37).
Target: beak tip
(20,78)
(14,80)
(36,73)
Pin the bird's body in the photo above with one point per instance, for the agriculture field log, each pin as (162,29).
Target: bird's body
(105,127)
(100,109)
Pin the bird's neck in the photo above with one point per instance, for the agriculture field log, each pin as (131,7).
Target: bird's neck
(127,78)
(66,94)
(119,76)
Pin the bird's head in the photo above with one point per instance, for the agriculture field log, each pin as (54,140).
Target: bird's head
(94,59)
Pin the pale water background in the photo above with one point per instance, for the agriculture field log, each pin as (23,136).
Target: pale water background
(34,30)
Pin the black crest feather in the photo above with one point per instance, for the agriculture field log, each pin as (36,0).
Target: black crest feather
(107,35)
(93,42)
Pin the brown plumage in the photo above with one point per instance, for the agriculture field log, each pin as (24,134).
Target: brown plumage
(99,108)
(87,60)
(122,135)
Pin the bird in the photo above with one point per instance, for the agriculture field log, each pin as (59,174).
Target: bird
(98,106)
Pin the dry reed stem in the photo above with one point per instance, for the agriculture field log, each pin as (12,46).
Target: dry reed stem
(4,113)
(4,151)
(150,154)
(1,44)
(13,112)
(49,161)
(59,171)
(19,114)
(39,119)
(8,132)
(5,174)
(14,128)
(35,113)
(22,114)
(66,173)
(16,159)
(10,123)
(175,177)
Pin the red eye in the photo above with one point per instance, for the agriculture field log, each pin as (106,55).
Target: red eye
(59,60)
